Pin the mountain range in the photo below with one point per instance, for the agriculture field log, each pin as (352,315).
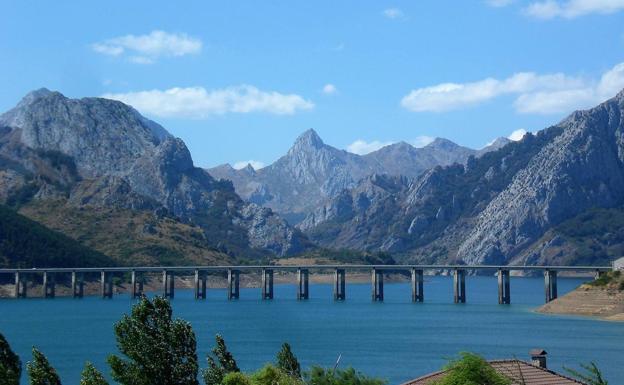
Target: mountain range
(312,171)
(98,172)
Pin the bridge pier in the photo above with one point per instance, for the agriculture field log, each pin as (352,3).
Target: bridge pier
(377,289)
(598,274)
(48,285)
(267,284)
(504,295)
(233,284)
(417,286)
(550,284)
(106,285)
(77,284)
(339,285)
(168,281)
(200,285)
(21,286)
(136,285)
(302,284)
(459,286)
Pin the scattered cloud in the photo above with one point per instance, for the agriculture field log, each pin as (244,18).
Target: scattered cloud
(329,89)
(393,13)
(256,164)
(517,134)
(199,103)
(362,147)
(145,49)
(422,141)
(498,3)
(535,94)
(571,9)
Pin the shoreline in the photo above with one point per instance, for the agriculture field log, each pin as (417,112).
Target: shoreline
(587,301)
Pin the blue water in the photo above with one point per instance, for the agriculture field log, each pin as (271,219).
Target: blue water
(397,340)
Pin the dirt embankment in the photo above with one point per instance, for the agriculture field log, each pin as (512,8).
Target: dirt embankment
(603,298)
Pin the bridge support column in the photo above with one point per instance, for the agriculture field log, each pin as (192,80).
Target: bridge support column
(339,285)
(77,284)
(550,285)
(267,284)
(302,284)
(598,274)
(377,289)
(417,286)
(136,285)
(48,285)
(200,285)
(21,286)
(168,282)
(504,295)
(459,286)
(233,284)
(106,285)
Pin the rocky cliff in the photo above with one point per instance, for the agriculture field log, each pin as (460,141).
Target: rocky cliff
(94,152)
(495,208)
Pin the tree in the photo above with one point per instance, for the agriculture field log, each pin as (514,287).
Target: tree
(320,376)
(471,369)
(591,376)
(159,350)
(10,364)
(287,361)
(222,365)
(40,372)
(271,375)
(91,376)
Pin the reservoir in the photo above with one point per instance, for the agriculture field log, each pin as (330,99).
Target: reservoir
(394,339)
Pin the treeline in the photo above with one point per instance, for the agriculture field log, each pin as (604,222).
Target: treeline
(25,243)
(156,349)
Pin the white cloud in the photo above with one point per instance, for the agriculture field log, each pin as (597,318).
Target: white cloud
(535,94)
(498,3)
(256,164)
(145,49)
(517,134)
(422,141)
(198,103)
(570,9)
(393,13)
(329,89)
(362,147)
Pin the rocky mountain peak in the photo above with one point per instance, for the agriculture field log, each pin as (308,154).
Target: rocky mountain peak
(442,144)
(309,139)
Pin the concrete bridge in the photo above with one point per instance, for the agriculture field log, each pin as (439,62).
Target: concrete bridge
(377,272)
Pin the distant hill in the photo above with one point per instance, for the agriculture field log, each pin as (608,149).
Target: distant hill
(312,171)
(25,243)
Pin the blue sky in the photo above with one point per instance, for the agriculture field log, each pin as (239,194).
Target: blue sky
(240,80)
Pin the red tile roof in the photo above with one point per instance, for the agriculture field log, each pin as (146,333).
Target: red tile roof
(520,372)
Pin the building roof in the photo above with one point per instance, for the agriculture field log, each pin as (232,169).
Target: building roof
(520,372)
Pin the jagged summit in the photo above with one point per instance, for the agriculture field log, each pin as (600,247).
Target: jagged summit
(309,139)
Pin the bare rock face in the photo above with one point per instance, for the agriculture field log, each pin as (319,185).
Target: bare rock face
(495,207)
(313,172)
(100,152)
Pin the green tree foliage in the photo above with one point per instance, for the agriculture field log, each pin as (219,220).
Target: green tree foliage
(221,364)
(287,362)
(271,375)
(40,372)
(91,376)
(236,378)
(591,375)
(471,369)
(10,364)
(25,243)
(320,376)
(159,350)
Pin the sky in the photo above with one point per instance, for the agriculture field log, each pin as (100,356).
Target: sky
(238,81)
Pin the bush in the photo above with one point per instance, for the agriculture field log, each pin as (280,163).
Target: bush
(320,376)
(471,369)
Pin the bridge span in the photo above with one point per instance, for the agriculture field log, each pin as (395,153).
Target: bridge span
(377,272)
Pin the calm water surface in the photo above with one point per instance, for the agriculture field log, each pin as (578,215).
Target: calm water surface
(396,339)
